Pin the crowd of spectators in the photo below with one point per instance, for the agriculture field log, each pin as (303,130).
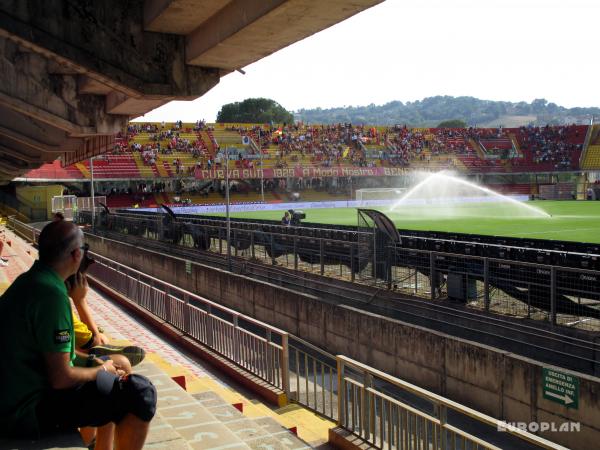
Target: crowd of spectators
(360,146)
(451,140)
(405,144)
(325,145)
(555,145)
(347,144)
(165,139)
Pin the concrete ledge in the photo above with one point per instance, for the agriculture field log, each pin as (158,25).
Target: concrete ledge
(269,393)
(344,440)
(71,441)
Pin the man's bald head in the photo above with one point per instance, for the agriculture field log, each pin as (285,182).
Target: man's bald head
(57,241)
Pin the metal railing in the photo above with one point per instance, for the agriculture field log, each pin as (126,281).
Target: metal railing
(313,378)
(257,347)
(385,411)
(586,142)
(540,291)
(558,295)
(390,413)
(27,232)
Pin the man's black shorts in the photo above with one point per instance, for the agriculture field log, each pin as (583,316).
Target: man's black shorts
(88,406)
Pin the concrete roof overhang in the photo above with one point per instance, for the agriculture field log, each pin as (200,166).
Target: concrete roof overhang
(74,73)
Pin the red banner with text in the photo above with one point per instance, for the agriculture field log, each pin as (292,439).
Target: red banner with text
(300,172)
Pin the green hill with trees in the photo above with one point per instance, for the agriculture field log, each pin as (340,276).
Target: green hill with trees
(431,111)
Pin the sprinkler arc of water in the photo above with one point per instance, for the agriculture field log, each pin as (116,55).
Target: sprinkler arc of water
(432,178)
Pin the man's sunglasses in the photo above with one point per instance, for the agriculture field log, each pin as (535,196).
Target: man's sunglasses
(85,248)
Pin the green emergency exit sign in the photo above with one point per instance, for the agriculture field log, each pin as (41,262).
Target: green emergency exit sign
(560,387)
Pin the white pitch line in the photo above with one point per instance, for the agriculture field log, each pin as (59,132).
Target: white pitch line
(559,231)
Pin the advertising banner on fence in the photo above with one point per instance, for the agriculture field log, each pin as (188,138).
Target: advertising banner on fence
(245,207)
(300,172)
(219,209)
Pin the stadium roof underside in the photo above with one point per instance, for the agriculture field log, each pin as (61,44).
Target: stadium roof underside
(74,72)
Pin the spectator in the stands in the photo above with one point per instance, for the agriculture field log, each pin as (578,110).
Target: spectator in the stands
(92,346)
(92,349)
(40,390)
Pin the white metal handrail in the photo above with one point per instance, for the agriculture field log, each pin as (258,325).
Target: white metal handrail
(586,142)
(202,319)
(388,423)
(22,229)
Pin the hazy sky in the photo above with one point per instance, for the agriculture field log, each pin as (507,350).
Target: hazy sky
(410,49)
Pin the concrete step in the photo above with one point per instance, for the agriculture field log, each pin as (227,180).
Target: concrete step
(261,432)
(63,441)
(207,421)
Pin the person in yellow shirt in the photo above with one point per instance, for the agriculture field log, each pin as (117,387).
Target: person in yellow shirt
(91,343)
(84,337)
(92,349)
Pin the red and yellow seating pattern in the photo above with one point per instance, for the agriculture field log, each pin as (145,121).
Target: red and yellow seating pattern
(151,151)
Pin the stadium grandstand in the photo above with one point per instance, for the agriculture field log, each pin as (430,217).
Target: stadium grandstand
(154,163)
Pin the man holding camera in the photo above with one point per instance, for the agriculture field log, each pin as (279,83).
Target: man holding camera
(91,345)
(40,389)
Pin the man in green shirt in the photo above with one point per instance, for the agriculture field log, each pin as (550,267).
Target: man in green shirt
(40,389)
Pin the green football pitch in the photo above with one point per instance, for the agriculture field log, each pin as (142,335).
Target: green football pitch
(567,220)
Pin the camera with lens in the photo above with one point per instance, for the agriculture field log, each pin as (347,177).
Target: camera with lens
(296,217)
(85,263)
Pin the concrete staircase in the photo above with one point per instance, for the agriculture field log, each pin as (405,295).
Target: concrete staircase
(208,142)
(227,138)
(160,168)
(167,168)
(206,421)
(475,146)
(516,144)
(184,422)
(460,165)
(145,170)
(84,170)
(595,135)
(63,441)
(591,159)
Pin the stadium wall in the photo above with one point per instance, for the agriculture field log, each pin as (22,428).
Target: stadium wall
(495,382)
(39,197)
